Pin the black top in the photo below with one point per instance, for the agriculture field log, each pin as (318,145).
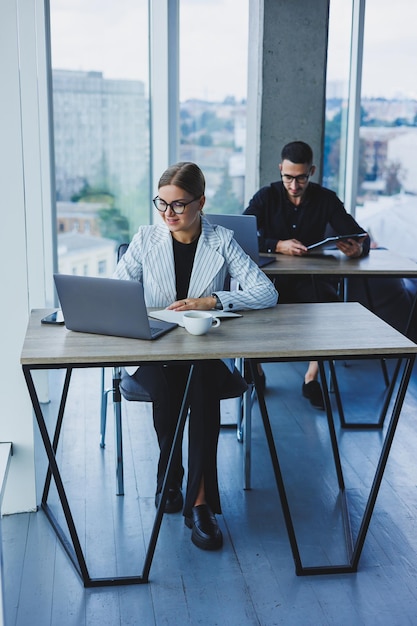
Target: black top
(320,213)
(184,254)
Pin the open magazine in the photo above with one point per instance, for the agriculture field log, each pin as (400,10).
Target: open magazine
(167,315)
(330,242)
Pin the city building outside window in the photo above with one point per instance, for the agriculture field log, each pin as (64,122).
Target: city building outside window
(386,199)
(213,87)
(100,87)
(100,92)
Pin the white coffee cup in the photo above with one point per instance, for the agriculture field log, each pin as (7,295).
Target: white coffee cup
(199,322)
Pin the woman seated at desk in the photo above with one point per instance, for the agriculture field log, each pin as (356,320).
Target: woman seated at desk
(183,263)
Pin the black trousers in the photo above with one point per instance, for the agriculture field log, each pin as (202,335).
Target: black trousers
(165,384)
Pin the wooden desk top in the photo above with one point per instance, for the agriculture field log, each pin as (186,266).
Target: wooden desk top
(334,262)
(286,331)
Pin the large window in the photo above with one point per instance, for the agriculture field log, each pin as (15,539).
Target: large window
(387,193)
(99,54)
(100,88)
(337,92)
(385,200)
(213,87)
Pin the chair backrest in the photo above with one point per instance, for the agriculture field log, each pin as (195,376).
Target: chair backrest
(244,229)
(130,389)
(121,250)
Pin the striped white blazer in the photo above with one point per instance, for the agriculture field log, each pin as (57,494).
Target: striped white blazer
(150,260)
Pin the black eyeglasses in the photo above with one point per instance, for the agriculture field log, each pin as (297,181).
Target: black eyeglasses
(301,179)
(177,206)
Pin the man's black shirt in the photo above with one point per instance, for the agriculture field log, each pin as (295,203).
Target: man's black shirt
(319,211)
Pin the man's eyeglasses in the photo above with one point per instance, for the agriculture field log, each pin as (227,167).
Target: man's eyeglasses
(177,206)
(301,179)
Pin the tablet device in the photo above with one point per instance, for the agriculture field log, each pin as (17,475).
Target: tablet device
(54,318)
(330,242)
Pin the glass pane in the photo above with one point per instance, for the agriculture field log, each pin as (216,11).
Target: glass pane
(213,87)
(387,194)
(337,86)
(100,108)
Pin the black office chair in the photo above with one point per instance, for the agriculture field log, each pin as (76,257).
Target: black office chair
(105,392)
(117,389)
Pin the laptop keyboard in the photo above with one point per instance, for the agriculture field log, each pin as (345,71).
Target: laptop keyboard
(155,329)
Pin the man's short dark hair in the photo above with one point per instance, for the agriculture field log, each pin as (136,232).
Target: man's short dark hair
(297,152)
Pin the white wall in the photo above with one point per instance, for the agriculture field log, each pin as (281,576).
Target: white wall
(25,248)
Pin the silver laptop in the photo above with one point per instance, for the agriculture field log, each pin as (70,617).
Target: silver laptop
(107,306)
(245,232)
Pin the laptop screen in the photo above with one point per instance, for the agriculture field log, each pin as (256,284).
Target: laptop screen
(106,306)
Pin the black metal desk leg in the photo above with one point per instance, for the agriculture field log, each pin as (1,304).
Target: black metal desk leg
(330,423)
(399,400)
(177,442)
(76,554)
(354,548)
(364,425)
(275,463)
(57,430)
(74,549)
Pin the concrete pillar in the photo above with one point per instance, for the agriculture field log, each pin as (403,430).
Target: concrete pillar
(286,82)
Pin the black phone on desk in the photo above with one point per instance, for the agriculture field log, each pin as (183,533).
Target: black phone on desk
(54,318)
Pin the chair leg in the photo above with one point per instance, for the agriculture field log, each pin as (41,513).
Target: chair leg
(240,405)
(103,410)
(117,407)
(117,404)
(239,408)
(248,399)
(385,372)
(240,419)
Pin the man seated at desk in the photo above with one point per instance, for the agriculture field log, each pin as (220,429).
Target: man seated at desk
(292,214)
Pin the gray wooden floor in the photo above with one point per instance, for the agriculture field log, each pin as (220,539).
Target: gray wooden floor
(251,581)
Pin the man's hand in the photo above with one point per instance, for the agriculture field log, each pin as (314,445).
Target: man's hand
(292,247)
(350,247)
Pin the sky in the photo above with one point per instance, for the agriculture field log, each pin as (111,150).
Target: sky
(111,36)
(390,50)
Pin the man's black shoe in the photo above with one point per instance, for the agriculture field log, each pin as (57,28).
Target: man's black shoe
(205,532)
(313,392)
(174,501)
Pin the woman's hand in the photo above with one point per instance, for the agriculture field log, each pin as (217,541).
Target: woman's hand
(192,304)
